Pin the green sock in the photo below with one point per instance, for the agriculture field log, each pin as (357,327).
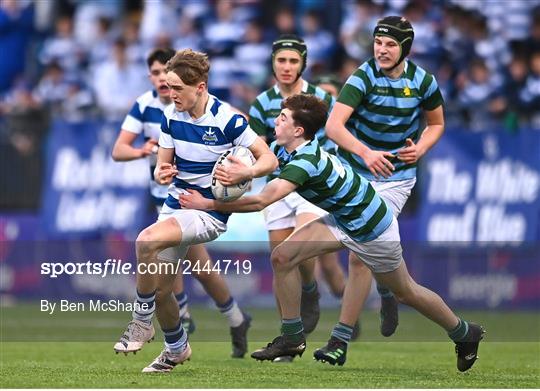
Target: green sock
(293,329)
(384,292)
(310,287)
(342,332)
(459,332)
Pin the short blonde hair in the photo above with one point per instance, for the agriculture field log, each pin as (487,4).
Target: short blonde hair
(190,66)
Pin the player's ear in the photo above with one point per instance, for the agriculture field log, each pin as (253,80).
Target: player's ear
(201,87)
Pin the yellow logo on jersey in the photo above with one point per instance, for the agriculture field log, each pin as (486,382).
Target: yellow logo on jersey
(407,91)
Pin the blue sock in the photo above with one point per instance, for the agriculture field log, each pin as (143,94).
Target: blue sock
(175,339)
(182,300)
(145,305)
(342,332)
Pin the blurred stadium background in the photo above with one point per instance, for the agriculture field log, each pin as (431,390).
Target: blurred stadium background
(71,69)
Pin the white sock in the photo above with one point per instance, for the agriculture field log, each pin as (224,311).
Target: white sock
(231,310)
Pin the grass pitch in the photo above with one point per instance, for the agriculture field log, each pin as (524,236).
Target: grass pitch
(403,361)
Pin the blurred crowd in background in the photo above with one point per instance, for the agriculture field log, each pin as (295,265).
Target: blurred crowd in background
(76,59)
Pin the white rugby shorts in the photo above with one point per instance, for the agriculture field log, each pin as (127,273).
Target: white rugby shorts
(394,193)
(381,255)
(197,227)
(282,214)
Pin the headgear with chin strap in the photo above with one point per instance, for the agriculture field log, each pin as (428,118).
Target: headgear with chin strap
(290,42)
(399,29)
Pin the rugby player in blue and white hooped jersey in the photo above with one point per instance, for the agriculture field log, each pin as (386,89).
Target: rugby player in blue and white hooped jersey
(358,218)
(145,118)
(195,131)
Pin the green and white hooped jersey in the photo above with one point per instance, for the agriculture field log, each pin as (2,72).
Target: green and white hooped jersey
(387,112)
(267,106)
(325,181)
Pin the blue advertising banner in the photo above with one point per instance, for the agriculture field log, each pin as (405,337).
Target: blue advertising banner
(481,187)
(86,192)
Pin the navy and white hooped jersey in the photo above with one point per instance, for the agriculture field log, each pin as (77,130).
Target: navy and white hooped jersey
(145,117)
(198,144)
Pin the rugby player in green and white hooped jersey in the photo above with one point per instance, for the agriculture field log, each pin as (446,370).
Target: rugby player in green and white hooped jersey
(376,124)
(358,219)
(289,55)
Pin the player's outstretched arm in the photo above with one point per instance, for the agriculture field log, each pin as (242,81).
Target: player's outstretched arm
(124,150)
(273,191)
(266,161)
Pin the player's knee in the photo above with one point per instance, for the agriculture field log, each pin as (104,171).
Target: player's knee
(357,267)
(145,241)
(280,260)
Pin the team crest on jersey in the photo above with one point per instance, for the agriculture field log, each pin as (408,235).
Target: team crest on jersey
(407,91)
(209,136)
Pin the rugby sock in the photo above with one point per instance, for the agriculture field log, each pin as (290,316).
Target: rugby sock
(182,300)
(145,305)
(384,292)
(459,333)
(339,295)
(293,329)
(231,310)
(342,332)
(175,338)
(311,287)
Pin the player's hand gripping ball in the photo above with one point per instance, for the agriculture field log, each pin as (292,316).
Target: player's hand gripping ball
(232,192)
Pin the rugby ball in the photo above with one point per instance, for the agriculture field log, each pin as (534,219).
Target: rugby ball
(231,193)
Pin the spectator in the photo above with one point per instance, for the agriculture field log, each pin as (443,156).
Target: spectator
(222,33)
(320,42)
(64,97)
(494,52)
(63,48)
(478,97)
(86,16)
(251,55)
(284,23)
(427,50)
(16,28)
(135,50)
(359,20)
(514,82)
(189,34)
(117,83)
(53,87)
(100,50)
(21,138)
(530,94)
(456,40)
(221,36)
(159,17)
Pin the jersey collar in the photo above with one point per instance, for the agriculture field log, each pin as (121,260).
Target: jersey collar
(305,86)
